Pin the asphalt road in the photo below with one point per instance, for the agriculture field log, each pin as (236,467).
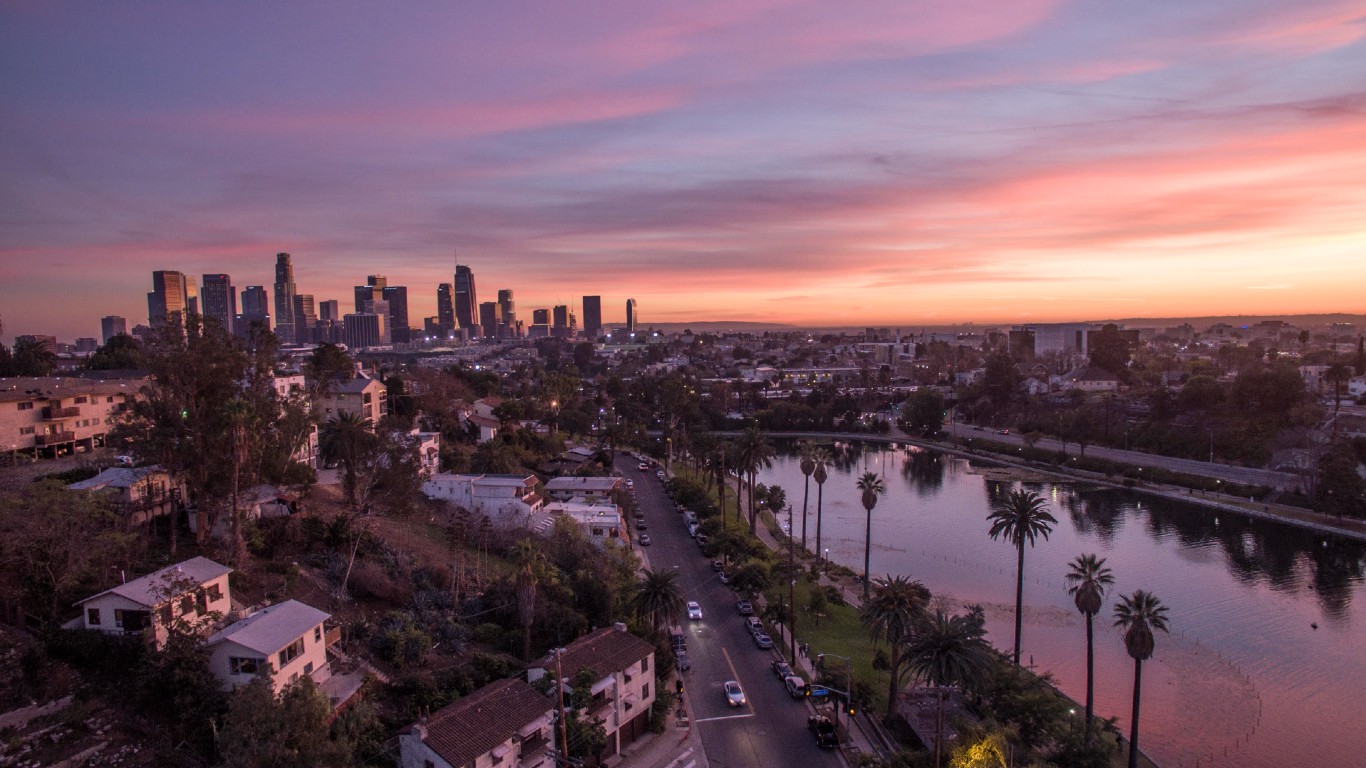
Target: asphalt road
(770,730)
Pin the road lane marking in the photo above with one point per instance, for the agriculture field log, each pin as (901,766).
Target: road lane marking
(723,717)
(681,758)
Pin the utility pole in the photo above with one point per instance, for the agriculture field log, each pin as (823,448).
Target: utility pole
(559,695)
(791,588)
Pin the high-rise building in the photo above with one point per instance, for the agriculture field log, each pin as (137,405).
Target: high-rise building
(191,296)
(167,299)
(305,318)
(489,319)
(86,345)
(218,300)
(540,317)
(468,310)
(364,329)
(397,296)
(592,316)
(445,308)
(507,309)
(284,298)
(365,294)
(255,311)
(329,310)
(631,318)
(111,326)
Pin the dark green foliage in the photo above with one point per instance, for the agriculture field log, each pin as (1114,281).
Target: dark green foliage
(1109,350)
(122,352)
(399,640)
(924,412)
(262,730)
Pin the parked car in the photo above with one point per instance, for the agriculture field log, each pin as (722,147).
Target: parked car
(641,524)
(717,564)
(796,687)
(723,577)
(735,695)
(745,607)
(827,737)
(681,657)
(762,640)
(694,609)
(782,669)
(644,539)
(659,473)
(643,467)
(701,539)
(679,640)
(754,625)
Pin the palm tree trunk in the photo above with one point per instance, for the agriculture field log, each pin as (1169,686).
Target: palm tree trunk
(1019,600)
(1090,676)
(894,668)
(867,548)
(939,729)
(1133,726)
(753,509)
(820,499)
(806,495)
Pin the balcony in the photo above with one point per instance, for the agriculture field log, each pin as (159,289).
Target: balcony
(57,439)
(54,413)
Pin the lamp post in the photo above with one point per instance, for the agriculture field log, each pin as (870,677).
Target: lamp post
(791,589)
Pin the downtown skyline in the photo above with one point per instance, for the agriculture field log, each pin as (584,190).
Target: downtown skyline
(802,163)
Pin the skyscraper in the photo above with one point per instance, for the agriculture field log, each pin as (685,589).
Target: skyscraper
(467,305)
(167,299)
(191,296)
(397,297)
(540,317)
(489,319)
(631,316)
(305,317)
(218,300)
(592,316)
(445,308)
(329,310)
(111,326)
(255,311)
(284,298)
(507,309)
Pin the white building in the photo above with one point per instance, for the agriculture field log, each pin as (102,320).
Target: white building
(194,593)
(288,639)
(600,522)
(587,489)
(506,724)
(505,499)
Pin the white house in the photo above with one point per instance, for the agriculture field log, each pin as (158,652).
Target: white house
(194,592)
(506,724)
(506,499)
(624,691)
(587,489)
(428,451)
(287,638)
(600,522)
(1090,379)
(141,492)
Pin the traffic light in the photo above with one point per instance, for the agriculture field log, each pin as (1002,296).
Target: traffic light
(852,710)
(808,691)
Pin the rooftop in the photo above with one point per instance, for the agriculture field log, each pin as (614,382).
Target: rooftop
(604,651)
(171,581)
(272,628)
(472,726)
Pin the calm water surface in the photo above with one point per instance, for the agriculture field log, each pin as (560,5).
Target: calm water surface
(1244,678)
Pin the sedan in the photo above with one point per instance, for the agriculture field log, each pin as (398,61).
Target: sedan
(643,466)
(782,669)
(762,640)
(745,607)
(644,539)
(735,695)
(723,577)
(683,663)
(694,609)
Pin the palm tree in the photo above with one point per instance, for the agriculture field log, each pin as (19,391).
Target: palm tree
(346,439)
(949,650)
(1139,614)
(657,600)
(872,487)
(753,453)
(808,465)
(1087,579)
(527,557)
(892,613)
(819,474)
(1021,517)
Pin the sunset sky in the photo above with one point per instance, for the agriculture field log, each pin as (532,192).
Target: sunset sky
(821,163)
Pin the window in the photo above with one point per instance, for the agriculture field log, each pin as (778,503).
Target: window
(187,604)
(92,616)
(291,652)
(26,430)
(645,664)
(318,634)
(164,613)
(215,593)
(308,668)
(28,406)
(118,617)
(109,399)
(201,601)
(82,399)
(645,691)
(245,666)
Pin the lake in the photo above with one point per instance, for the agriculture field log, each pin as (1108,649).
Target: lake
(1265,664)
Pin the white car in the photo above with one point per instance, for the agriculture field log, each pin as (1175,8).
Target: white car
(694,610)
(735,695)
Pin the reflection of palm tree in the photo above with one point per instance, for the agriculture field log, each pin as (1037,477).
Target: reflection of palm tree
(1020,517)
(1139,614)
(947,651)
(657,600)
(1087,578)
(822,458)
(892,614)
(808,465)
(872,487)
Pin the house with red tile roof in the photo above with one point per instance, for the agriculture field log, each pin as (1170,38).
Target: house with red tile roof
(505,724)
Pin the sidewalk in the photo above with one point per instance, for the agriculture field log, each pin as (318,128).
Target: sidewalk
(679,746)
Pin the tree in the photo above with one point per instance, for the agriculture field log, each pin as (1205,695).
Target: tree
(1087,579)
(1109,350)
(871,487)
(822,458)
(892,613)
(1337,375)
(1020,517)
(807,452)
(1001,380)
(946,651)
(348,440)
(657,600)
(32,357)
(328,367)
(924,412)
(1139,615)
(262,730)
(526,557)
(121,352)
(753,453)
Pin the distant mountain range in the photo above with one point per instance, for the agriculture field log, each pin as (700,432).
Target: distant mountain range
(1200,323)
